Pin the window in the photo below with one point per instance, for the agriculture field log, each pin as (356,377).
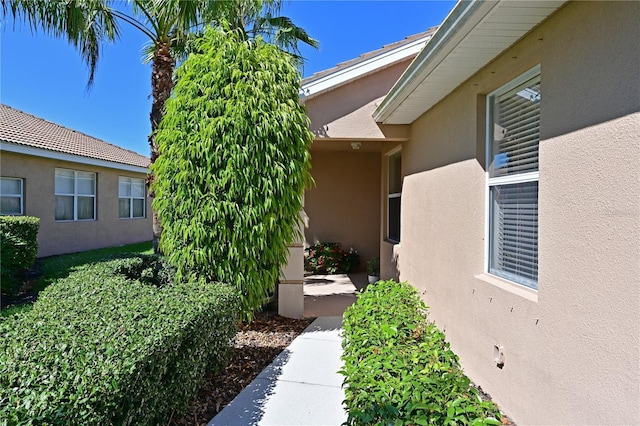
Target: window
(11,196)
(75,195)
(131,197)
(394,196)
(512,150)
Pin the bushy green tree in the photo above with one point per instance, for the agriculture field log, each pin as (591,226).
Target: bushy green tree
(234,163)
(169,25)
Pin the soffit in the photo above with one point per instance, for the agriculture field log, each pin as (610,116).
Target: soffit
(472,35)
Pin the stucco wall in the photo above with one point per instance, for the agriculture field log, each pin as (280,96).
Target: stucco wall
(68,237)
(572,348)
(344,205)
(346,111)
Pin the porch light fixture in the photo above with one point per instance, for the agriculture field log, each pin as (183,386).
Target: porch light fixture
(356,145)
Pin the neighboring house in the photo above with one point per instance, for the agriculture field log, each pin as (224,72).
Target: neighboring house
(513,203)
(87,193)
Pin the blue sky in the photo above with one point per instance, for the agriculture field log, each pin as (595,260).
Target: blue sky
(45,77)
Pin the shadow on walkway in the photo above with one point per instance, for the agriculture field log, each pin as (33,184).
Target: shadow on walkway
(301,387)
(330,295)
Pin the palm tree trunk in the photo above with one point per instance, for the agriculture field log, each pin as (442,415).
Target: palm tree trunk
(161,86)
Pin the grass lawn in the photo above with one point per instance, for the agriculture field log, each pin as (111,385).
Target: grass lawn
(55,267)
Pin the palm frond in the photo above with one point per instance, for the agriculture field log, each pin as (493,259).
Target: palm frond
(85,24)
(281,31)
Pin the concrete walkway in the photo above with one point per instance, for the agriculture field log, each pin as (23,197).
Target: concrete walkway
(302,385)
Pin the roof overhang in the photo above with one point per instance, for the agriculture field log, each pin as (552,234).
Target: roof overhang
(474,33)
(56,155)
(343,76)
(355,144)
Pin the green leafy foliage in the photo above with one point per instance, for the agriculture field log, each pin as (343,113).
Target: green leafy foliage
(398,367)
(329,258)
(18,247)
(373,267)
(100,347)
(149,269)
(234,163)
(60,266)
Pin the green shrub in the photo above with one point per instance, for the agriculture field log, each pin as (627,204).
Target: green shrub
(101,348)
(18,246)
(329,258)
(398,367)
(148,269)
(234,163)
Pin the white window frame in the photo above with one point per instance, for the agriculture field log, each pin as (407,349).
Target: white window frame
(131,197)
(75,195)
(390,155)
(503,180)
(19,196)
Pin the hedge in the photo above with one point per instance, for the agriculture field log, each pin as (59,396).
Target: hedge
(99,347)
(398,367)
(18,245)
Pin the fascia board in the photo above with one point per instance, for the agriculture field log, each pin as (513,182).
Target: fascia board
(460,21)
(360,69)
(56,155)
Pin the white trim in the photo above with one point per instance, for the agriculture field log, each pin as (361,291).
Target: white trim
(342,76)
(19,196)
(455,34)
(393,151)
(401,89)
(392,195)
(54,155)
(510,286)
(487,152)
(516,178)
(75,195)
(502,180)
(512,84)
(131,198)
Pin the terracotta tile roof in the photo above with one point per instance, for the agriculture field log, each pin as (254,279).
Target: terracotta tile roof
(25,129)
(365,56)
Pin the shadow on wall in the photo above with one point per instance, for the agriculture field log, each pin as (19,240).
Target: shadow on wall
(321,132)
(389,261)
(395,266)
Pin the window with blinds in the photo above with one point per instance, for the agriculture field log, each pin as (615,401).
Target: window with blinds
(513,140)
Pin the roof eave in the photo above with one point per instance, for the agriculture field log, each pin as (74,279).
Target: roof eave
(72,158)
(457,28)
(343,76)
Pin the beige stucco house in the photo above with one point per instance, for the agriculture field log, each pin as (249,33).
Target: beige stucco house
(87,193)
(344,205)
(506,163)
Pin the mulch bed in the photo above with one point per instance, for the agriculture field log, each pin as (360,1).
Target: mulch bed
(256,345)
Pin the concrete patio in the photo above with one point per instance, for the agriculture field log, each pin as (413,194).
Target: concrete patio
(330,295)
